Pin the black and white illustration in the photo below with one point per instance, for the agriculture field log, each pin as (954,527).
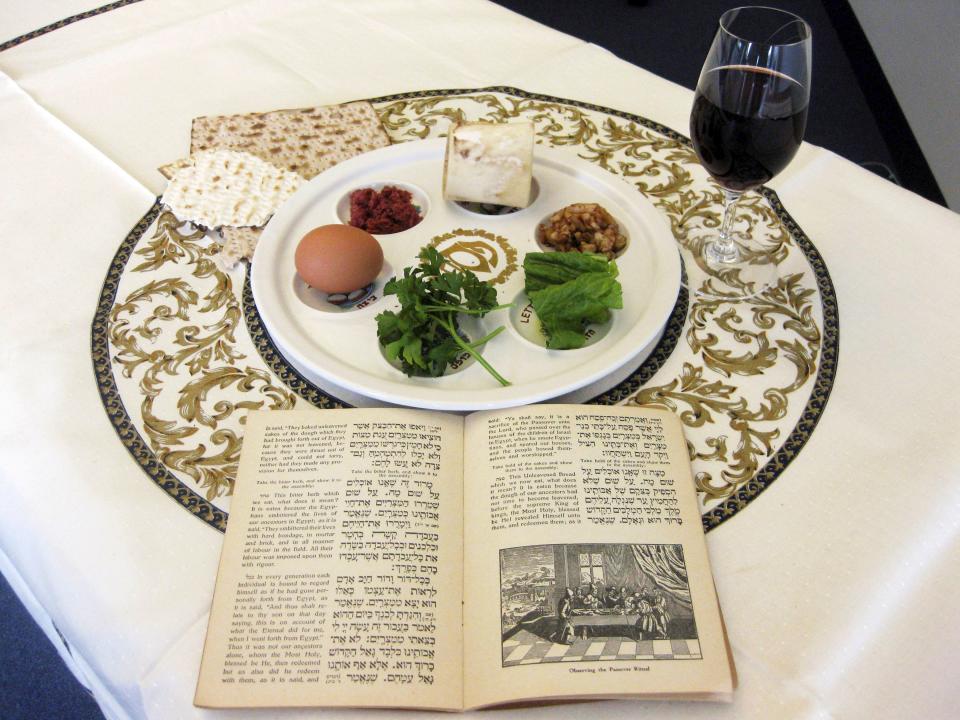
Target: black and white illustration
(589,602)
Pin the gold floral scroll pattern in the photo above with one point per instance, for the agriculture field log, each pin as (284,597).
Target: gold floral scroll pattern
(175,336)
(180,353)
(751,378)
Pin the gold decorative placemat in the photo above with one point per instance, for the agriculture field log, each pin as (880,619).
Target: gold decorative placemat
(180,354)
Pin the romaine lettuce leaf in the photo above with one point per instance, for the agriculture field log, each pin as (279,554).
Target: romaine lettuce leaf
(570,291)
(543,269)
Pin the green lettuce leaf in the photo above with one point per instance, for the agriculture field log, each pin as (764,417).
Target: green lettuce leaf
(554,268)
(570,291)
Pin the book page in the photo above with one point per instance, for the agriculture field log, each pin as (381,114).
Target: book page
(340,576)
(585,566)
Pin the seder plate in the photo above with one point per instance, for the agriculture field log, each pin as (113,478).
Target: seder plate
(339,345)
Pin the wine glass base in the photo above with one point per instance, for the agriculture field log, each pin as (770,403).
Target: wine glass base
(731,281)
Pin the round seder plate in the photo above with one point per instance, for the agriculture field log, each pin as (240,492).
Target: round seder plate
(340,346)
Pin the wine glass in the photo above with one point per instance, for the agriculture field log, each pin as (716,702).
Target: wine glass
(747,122)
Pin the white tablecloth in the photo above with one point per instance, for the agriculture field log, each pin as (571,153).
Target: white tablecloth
(836,582)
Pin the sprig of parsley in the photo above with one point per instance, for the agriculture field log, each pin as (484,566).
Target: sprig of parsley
(424,335)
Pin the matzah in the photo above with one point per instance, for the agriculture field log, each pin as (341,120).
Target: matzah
(305,141)
(238,243)
(225,187)
(170,169)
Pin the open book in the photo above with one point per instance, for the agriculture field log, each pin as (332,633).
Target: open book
(405,558)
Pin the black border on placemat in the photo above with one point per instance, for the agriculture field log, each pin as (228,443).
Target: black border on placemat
(265,346)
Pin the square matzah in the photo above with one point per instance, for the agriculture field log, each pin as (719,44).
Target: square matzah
(305,141)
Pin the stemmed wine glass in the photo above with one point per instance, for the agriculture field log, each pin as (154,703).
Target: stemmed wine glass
(747,122)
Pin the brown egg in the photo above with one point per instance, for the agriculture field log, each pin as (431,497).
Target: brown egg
(338,258)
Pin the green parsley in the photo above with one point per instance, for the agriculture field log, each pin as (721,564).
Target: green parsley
(424,335)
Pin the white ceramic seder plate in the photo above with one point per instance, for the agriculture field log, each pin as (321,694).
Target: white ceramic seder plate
(341,345)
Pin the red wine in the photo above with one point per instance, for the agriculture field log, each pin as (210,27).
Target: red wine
(747,124)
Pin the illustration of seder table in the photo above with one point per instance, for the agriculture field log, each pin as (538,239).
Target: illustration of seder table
(595,624)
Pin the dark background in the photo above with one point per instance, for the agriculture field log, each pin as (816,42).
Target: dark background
(853,112)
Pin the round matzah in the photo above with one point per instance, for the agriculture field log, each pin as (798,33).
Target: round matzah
(227,187)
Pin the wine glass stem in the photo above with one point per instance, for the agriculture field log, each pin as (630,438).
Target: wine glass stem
(724,249)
